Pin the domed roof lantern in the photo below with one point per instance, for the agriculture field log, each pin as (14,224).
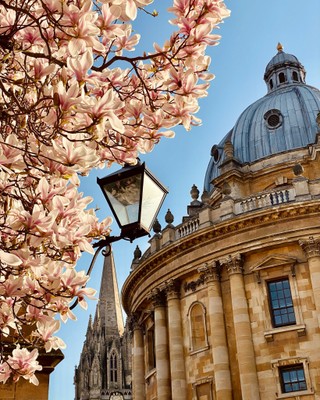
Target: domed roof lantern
(283,69)
(285,119)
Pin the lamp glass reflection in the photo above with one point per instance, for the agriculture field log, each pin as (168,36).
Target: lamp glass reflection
(152,198)
(124,196)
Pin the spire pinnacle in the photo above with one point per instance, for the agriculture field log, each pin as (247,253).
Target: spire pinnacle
(279,47)
(109,307)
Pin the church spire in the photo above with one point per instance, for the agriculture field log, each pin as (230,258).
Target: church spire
(106,339)
(109,308)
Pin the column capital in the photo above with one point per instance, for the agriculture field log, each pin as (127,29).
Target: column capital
(310,246)
(172,289)
(157,298)
(134,323)
(233,263)
(211,272)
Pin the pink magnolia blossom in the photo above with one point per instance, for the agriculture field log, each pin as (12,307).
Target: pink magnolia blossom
(24,363)
(46,330)
(74,97)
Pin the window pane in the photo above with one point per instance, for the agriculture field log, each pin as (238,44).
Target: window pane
(292,378)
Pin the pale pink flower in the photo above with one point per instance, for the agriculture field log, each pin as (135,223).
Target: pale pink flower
(46,329)
(5,372)
(91,105)
(80,65)
(24,363)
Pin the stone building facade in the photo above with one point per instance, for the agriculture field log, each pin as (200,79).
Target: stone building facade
(104,370)
(226,305)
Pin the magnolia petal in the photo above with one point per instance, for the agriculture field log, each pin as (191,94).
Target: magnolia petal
(115,122)
(10,259)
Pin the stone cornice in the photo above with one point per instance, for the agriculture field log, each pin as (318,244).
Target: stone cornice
(242,223)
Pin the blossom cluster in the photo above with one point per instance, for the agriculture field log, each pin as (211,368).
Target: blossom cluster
(72,99)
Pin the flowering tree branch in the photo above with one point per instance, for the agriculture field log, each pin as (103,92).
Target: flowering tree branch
(72,99)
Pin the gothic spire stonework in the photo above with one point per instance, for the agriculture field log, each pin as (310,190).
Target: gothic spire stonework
(104,369)
(109,301)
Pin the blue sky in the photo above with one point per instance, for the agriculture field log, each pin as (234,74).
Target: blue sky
(249,40)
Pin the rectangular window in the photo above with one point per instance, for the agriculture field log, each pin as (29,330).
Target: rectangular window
(281,305)
(292,378)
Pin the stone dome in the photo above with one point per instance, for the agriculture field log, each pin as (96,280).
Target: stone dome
(283,120)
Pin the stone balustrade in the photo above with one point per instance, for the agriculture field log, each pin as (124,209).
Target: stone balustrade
(187,228)
(229,208)
(265,199)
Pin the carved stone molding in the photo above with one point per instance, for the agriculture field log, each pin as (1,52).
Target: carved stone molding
(233,263)
(211,272)
(193,285)
(159,259)
(311,246)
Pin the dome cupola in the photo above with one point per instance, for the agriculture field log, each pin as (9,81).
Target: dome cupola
(283,69)
(281,121)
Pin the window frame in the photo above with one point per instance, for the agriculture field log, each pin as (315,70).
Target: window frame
(295,76)
(193,349)
(151,354)
(287,363)
(291,368)
(205,381)
(272,309)
(113,365)
(282,78)
(275,267)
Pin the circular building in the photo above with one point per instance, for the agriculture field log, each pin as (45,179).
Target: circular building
(226,305)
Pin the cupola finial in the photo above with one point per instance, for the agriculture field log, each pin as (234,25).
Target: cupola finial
(279,47)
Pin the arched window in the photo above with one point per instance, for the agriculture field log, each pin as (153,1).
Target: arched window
(295,76)
(198,330)
(282,77)
(271,84)
(113,368)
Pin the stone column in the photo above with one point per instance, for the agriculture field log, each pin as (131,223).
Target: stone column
(177,362)
(161,346)
(311,248)
(220,354)
(138,363)
(242,327)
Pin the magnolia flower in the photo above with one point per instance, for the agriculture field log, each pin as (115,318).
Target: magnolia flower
(46,329)
(5,372)
(24,363)
(80,65)
(67,106)
(104,107)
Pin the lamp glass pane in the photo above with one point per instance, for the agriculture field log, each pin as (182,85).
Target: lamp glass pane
(124,196)
(152,198)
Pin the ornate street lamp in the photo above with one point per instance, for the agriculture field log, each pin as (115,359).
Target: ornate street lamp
(135,197)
